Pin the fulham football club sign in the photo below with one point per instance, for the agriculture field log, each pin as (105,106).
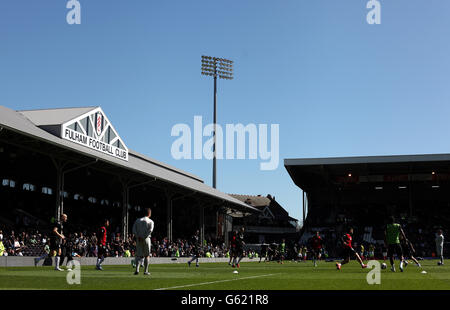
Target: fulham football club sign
(94,131)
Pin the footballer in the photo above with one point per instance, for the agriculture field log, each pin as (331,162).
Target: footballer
(142,230)
(392,239)
(101,246)
(348,250)
(55,242)
(316,245)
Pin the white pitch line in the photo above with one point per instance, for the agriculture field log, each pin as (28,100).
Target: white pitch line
(212,282)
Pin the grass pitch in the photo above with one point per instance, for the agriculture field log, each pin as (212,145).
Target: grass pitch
(220,276)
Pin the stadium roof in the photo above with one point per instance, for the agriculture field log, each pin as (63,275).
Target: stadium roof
(27,123)
(262,202)
(309,172)
(254,201)
(54,116)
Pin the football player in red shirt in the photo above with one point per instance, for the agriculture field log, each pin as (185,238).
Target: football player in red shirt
(316,244)
(101,244)
(348,250)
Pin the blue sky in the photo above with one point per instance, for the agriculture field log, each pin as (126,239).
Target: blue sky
(336,85)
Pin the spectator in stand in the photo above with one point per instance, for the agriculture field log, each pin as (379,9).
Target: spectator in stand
(2,247)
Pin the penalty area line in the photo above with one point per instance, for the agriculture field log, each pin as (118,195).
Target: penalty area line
(213,282)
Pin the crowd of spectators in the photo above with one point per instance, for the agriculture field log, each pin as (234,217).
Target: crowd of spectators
(31,242)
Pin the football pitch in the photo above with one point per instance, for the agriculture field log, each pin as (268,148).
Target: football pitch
(220,276)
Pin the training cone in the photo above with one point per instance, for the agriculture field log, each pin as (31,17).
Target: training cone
(423,271)
(235,271)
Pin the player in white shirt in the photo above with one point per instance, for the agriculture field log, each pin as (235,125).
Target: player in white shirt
(440,247)
(142,230)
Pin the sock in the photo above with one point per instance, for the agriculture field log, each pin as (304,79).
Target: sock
(98,261)
(101,261)
(57,261)
(146,261)
(138,264)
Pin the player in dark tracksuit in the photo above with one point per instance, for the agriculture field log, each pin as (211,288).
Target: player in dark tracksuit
(408,251)
(67,249)
(196,244)
(55,242)
(240,246)
(264,252)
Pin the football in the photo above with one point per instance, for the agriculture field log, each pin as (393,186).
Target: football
(383,266)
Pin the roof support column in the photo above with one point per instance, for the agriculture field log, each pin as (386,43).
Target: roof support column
(125,213)
(202,222)
(227,225)
(60,179)
(169,218)
(126,201)
(217,225)
(410,197)
(169,214)
(304,208)
(59,190)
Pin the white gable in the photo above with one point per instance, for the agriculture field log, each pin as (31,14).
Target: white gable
(95,131)
(266,213)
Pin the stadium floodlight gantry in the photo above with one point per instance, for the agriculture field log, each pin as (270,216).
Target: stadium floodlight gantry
(75,160)
(223,69)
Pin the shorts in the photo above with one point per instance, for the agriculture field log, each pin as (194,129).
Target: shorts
(143,247)
(348,252)
(54,246)
(233,251)
(394,248)
(239,250)
(195,251)
(101,250)
(317,252)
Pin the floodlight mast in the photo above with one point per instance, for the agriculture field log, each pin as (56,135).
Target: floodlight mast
(222,68)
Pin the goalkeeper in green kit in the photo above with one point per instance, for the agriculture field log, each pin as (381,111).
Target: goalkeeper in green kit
(392,240)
